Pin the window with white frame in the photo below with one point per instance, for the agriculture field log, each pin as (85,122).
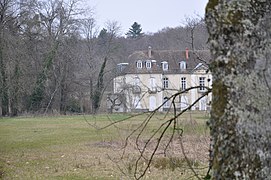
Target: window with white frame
(136,81)
(202,83)
(165,83)
(166,102)
(137,103)
(148,64)
(182,65)
(183,101)
(136,87)
(183,83)
(139,64)
(152,84)
(164,65)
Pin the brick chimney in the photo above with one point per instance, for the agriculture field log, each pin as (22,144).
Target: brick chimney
(186,53)
(149,52)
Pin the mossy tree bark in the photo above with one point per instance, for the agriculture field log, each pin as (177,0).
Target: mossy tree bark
(240,38)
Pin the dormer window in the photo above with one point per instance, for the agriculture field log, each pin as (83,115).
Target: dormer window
(121,66)
(148,64)
(139,64)
(182,65)
(164,65)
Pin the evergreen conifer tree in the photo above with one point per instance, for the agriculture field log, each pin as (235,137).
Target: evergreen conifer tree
(135,31)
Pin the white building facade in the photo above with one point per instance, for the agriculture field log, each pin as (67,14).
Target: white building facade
(151,80)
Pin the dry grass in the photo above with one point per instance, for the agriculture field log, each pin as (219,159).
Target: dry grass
(67,147)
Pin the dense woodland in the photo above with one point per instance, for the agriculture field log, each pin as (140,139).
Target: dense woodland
(54,58)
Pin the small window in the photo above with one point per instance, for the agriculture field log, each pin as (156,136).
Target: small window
(182,65)
(121,66)
(152,83)
(136,81)
(202,83)
(136,87)
(148,64)
(183,83)
(139,64)
(165,82)
(164,65)
(137,103)
(166,102)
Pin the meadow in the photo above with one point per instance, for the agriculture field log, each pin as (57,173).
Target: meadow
(79,147)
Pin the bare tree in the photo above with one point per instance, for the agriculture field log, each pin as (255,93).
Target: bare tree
(9,57)
(58,22)
(3,84)
(196,32)
(137,91)
(161,140)
(106,40)
(240,116)
(36,47)
(87,66)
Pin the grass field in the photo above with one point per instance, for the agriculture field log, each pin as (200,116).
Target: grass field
(73,147)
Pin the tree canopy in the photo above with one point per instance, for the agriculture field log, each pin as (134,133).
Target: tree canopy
(135,31)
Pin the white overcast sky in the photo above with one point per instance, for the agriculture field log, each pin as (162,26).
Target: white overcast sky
(153,15)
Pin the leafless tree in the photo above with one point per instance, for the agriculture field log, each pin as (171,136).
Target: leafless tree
(9,57)
(51,55)
(192,25)
(58,22)
(161,139)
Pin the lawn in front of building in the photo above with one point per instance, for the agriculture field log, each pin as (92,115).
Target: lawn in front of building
(78,147)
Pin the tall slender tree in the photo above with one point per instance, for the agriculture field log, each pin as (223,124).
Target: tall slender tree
(9,58)
(107,44)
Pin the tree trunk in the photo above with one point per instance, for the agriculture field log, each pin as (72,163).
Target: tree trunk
(3,80)
(91,95)
(240,122)
(63,96)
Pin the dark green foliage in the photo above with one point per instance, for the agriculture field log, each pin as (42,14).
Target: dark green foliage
(103,37)
(99,87)
(103,33)
(207,177)
(135,31)
(38,93)
(73,106)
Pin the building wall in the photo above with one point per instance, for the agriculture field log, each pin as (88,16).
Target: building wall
(143,94)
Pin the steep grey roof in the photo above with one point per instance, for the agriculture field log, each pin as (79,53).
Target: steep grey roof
(173,57)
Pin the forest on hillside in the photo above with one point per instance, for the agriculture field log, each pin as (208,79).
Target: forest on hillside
(54,59)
